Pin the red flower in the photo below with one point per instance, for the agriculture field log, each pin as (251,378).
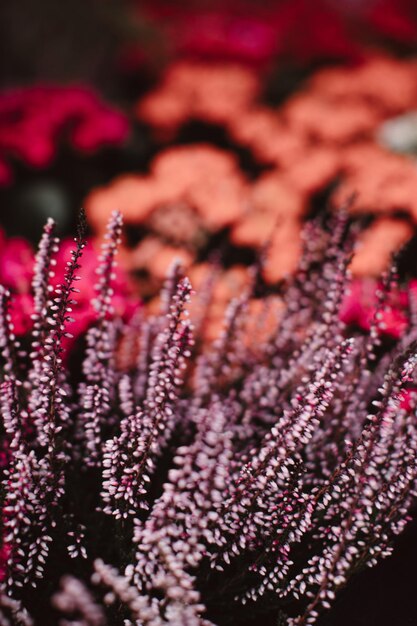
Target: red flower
(305,30)
(408,398)
(33,119)
(256,34)
(16,260)
(218,35)
(395,19)
(359,308)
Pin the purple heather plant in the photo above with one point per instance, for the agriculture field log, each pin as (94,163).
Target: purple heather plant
(176,482)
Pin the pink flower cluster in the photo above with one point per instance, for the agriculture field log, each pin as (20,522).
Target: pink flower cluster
(33,119)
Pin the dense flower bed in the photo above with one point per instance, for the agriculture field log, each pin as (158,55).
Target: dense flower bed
(222,430)
(177,481)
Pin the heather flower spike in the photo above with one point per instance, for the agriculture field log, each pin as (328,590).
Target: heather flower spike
(97,389)
(185,483)
(130,458)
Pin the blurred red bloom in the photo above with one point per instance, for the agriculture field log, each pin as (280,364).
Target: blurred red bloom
(395,19)
(249,33)
(310,31)
(218,35)
(359,308)
(16,261)
(255,33)
(408,398)
(33,119)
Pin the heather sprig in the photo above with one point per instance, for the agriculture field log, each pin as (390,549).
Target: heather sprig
(130,458)
(53,308)
(187,480)
(96,390)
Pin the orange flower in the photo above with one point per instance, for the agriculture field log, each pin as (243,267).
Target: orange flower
(263,131)
(271,201)
(196,195)
(377,244)
(314,170)
(284,252)
(373,81)
(191,193)
(156,258)
(211,92)
(272,193)
(133,196)
(321,120)
(382,181)
(202,177)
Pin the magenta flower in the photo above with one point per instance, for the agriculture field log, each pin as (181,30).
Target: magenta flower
(16,261)
(227,36)
(395,19)
(235,31)
(34,119)
(298,29)
(360,305)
